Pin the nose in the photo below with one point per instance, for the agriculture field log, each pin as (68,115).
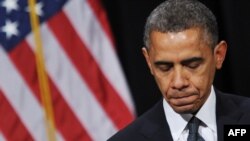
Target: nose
(179,79)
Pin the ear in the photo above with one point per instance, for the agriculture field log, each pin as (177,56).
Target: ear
(145,52)
(220,53)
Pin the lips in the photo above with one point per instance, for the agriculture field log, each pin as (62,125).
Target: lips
(182,94)
(182,99)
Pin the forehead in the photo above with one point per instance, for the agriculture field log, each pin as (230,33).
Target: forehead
(178,44)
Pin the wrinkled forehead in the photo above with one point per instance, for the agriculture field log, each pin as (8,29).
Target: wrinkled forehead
(176,47)
(192,34)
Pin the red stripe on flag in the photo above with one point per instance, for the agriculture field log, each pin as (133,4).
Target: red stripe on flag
(10,124)
(66,121)
(90,71)
(102,18)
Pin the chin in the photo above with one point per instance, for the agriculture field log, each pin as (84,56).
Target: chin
(185,110)
(193,112)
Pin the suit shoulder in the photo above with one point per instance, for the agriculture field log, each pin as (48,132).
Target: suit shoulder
(241,102)
(129,132)
(132,132)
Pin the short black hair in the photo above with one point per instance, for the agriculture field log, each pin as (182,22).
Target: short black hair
(179,15)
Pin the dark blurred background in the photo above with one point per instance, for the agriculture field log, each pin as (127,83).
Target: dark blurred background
(127,19)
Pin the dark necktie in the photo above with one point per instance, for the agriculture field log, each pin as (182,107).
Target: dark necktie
(193,126)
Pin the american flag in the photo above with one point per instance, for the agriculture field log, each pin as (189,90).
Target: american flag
(89,94)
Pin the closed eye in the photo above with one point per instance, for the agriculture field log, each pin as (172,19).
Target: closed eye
(192,63)
(163,66)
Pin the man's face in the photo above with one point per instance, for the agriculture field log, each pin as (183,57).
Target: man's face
(183,66)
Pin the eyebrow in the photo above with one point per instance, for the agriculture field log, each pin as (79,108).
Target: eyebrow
(186,61)
(193,59)
(158,63)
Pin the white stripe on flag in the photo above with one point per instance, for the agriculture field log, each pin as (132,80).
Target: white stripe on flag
(21,98)
(99,45)
(2,138)
(73,88)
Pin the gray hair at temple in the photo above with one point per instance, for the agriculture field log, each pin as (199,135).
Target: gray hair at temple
(180,15)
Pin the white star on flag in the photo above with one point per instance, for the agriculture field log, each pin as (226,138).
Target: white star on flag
(10,28)
(10,5)
(38,9)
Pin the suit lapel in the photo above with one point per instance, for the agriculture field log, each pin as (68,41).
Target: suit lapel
(155,126)
(226,113)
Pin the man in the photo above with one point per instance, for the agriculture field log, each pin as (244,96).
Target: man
(183,53)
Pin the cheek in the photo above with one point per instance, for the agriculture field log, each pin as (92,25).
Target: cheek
(203,79)
(163,82)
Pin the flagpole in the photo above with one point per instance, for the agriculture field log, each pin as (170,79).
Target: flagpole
(42,77)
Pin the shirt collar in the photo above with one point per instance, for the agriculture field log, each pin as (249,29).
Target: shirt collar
(177,122)
(207,112)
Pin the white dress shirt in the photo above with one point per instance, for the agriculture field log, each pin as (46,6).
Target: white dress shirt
(178,122)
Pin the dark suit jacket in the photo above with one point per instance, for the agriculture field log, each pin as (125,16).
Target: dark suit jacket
(152,126)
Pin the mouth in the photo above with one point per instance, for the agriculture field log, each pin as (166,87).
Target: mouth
(184,99)
(184,102)
(182,95)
